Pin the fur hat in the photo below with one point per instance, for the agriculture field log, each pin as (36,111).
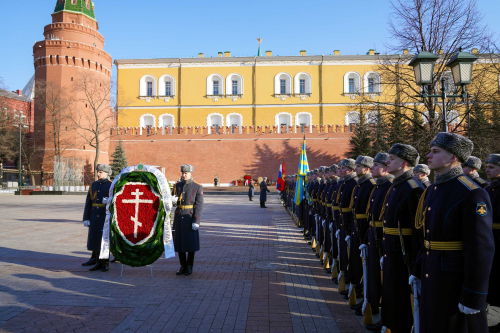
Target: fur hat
(187,168)
(322,169)
(422,168)
(334,168)
(315,172)
(348,162)
(406,152)
(493,159)
(365,161)
(104,168)
(456,144)
(381,158)
(473,162)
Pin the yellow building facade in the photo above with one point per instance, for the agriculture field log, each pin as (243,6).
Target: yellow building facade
(245,91)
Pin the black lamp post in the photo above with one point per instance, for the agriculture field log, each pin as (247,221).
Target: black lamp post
(461,67)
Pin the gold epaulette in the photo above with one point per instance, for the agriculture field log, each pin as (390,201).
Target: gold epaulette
(412,183)
(373,181)
(480,180)
(470,185)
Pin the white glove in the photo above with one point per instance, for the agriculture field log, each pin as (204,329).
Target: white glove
(315,216)
(337,234)
(86,223)
(363,246)
(413,279)
(323,223)
(466,310)
(347,238)
(174,200)
(195,226)
(331,227)
(105,200)
(382,263)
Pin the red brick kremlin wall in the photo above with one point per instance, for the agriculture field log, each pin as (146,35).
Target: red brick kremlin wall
(231,156)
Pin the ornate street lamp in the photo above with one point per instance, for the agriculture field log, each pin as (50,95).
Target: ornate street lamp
(461,66)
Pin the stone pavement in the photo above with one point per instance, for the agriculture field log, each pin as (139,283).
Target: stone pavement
(254,273)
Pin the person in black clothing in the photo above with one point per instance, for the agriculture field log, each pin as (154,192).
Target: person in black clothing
(263,193)
(251,188)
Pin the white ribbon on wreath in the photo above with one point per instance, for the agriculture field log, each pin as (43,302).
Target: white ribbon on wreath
(168,241)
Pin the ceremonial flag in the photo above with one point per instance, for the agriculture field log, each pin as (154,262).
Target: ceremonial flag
(280,184)
(301,188)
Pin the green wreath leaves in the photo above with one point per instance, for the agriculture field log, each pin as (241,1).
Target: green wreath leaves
(151,250)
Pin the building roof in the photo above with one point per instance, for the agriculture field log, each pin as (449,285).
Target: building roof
(12,95)
(29,89)
(78,7)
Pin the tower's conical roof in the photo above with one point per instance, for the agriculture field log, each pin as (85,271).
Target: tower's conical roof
(85,7)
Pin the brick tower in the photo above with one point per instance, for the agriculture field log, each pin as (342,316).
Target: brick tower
(72,49)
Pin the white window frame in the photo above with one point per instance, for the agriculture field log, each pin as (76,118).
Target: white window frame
(357,83)
(377,83)
(240,122)
(209,121)
(162,86)
(210,85)
(348,117)
(308,85)
(229,85)
(277,120)
(143,87)
(142,122)
(297,122)
(166,115)
(277,85)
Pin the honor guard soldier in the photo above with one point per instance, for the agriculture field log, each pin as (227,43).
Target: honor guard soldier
(189,195)
(398,217)
(455,218)
(325,257)
(493,173)
(307,207)
(373,241)
(94,216)
(330,232)
(471,167)
(359,224)
(312,213)
(336,225)
(422,172)
(344,196)
(318,195)
(263,193)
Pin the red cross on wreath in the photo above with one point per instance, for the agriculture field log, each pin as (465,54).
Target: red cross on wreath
(136,212)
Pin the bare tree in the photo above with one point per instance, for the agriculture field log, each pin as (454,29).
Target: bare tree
(7,133)
(93,126)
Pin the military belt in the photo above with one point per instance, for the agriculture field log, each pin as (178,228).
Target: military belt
(361,216)
(98,205)
(185,207)
(336,208)
(496,225)
(315,200)
(346,210)
(444,246)
(395,231)
(376,224)
(328,205)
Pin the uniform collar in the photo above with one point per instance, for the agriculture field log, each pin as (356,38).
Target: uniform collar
(349,177)
(424,180)
(382,180)
(364,178)
(189,181)
(102,181)
(404,177)
(495,183)
(452,174)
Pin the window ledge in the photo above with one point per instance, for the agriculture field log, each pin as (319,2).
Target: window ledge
(373,94)
(167,98)
(234,97)
(303,96)
(282,96)
(352,95)
(147,98)
(215,97)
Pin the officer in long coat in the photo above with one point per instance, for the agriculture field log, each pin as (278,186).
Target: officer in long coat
(471,167)
(94,216)
(493,173)
(398,214)
(263,193)
(455,218)
(251,188)
(189,195)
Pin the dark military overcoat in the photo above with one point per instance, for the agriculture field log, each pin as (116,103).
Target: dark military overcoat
(188,211)
(457,211)
(344,202)
(95,212)
(494,290)
(263,191)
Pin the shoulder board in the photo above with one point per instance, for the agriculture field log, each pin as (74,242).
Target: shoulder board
(373,181)
(413,183)
(470,185)
(197,183)
(481,181)
(356,178)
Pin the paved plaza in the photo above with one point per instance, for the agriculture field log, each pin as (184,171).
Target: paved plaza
(254,273)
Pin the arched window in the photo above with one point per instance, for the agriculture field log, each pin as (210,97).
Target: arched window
(215,119)
(215,85)
(147,86)
(282,84)
(372,83)
(449,84)
(304,120)
(283,119)
(352,83)
(166,120)
(234,84)
(371,117)
(166,86)
(233,120)
(302,84)
(352,118)
(147,120)
(453,117)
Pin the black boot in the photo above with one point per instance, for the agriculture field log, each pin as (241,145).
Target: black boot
(181,271)
(98,266)
(105,267)
(90,262)
(189,270)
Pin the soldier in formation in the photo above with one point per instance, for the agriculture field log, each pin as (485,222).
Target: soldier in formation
(425,255)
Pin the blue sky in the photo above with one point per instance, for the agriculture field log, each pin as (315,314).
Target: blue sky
(159,28)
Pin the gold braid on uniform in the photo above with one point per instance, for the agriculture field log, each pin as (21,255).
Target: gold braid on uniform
(351,204)
(420,218)
(93,196)
(338,193)
(382,212)
(369,200)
